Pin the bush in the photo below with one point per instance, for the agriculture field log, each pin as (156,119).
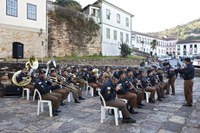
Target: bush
(125,50)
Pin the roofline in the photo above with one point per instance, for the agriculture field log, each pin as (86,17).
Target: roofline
(98,1)
(147,35)
(187,41)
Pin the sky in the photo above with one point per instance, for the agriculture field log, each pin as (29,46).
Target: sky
(156,15)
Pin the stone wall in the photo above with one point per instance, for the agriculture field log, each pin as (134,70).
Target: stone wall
(60,44)
(32,40)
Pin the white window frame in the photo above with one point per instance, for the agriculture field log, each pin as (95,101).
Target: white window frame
(127,22)
(115,35)
(118,18)
(108,33)
(127,38)
(122,37)
(31,11)
(108,14)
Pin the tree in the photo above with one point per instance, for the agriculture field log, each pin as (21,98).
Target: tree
(69,4)
(154,44)
(125,50)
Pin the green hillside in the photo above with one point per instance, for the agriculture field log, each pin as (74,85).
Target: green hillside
(189,31)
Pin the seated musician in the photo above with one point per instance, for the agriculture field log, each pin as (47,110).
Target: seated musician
(107,73)
(56,87)
(24,75)
(5,81)
(163,84)
(171,75)
(125,93)
(76,92)
(146,86)
(134,84)
(154,83)
(44,88)
(93,82)
(108,92)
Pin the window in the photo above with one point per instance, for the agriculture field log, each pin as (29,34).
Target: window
(127,38)
(31,11)
(108,14)
(11,7)
(118,18)
(108,33)
(121,36)
(127,22)
(115,35)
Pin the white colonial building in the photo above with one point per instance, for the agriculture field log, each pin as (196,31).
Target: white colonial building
(142,42)
(115,23)
(188,48)
(23,21)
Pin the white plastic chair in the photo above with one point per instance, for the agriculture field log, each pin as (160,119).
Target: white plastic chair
(124,100)
(41,102)
(104,108)
(91,90)
(27,90)
(147,96)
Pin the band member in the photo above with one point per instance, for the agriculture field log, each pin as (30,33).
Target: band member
(133,84)
(44,88)
(171,75)
(162,84)
(107,73)
(125,94)
(93,82)
(77,94)
(108,91)
(154,83)
(146,86)
(56,87)
(188,75)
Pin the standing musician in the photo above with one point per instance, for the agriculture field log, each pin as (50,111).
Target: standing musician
(188,75)
(125,93)
(171,75)
(146,86)
(44,88)
(56,87)
(108,92)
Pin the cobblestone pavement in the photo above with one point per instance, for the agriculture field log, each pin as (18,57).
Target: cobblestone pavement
(168,116)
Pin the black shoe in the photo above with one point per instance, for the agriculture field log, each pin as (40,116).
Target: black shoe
(81,98)
(173,94)
(151,101)
(132,111)
(77,101)
(159,99)
(167,93)
(61,103)
(141,104)
(129,120)
(55,113)
(162,97)
(187,105)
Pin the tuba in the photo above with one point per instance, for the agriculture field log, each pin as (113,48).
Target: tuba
(31,65)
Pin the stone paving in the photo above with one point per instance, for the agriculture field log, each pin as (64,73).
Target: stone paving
(168,116)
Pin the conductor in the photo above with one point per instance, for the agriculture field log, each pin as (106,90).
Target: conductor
(188,75)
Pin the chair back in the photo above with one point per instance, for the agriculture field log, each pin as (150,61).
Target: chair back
(37,92)
(101,97)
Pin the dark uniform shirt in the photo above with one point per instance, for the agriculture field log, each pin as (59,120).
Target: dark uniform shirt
(152,80)
(124,87)
(170,73)
(143,81)
(92,78)
(108,90)
(188,72)
(43,85)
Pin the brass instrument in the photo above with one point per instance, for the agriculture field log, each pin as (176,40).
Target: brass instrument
(31,65)
(48,63)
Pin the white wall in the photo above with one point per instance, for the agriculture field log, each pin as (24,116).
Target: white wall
(111,46)
(21,19)
(187,49)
